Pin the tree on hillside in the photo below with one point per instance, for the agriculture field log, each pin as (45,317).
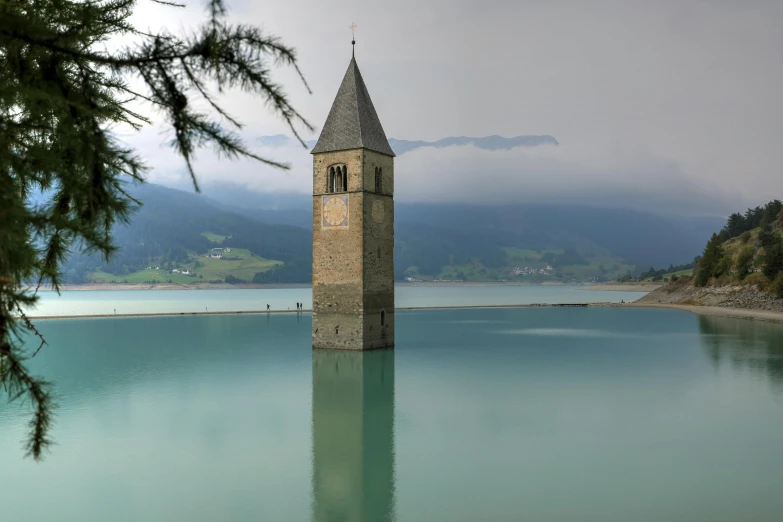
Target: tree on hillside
(744,262)
(62,92)
(773,260)
(777,286)
(709,262)
(766,237)
(735,225)
(771,211)
(722,268)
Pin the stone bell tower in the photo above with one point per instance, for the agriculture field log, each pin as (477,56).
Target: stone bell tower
(353,225)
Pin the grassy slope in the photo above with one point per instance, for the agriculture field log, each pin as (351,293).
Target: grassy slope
(732,247)
(245,268)
(215,238)
(679,273)
(517,257)
(160,276)
(212,269)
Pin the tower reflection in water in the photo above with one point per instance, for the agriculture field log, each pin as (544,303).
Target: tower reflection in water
(353,436)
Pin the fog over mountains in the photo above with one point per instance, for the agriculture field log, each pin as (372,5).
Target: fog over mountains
(475,208)
(488,170)
(475,242)
(400,147)
(642,238)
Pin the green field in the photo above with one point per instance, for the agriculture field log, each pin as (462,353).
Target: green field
(215,238)
(209,270)
(680,273)
(160,276)
(522,257)
(244,268)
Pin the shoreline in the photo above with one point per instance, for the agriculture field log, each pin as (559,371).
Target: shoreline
(85,287)
(309,310)
(624,287)
(714,311)
(717,311)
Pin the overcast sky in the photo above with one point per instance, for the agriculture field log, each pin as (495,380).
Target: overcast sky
(656,104)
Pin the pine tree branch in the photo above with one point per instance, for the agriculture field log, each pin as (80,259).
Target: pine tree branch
(60,96)
(30,326)
(171,4)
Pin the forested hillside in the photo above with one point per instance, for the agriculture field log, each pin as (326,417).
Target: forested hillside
(642,239)
(749,248)
(480,254)
(174,230)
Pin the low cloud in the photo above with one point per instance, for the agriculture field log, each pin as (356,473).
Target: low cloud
(672,107)
(565,173)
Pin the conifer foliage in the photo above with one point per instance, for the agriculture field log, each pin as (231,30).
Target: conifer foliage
(62,92)
(766,250)
(711,263)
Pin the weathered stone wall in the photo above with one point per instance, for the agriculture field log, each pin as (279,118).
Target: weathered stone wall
(379,254)
(372,160)
(337,260)
(353,159)
(353,266)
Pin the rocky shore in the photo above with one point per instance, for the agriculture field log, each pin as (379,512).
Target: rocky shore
(625,287)
(745,297)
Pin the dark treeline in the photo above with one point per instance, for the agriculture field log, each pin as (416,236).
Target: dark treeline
(756,258)
(737,223)
(657,275)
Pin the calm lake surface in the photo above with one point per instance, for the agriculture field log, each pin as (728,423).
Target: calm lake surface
(478,415)
(97,302)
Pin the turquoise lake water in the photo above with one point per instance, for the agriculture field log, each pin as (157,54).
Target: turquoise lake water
(543,414)
(99,302)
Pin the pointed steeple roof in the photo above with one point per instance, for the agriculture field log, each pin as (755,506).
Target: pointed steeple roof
(352,122)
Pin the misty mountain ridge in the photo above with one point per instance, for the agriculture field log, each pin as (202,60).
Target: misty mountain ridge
(432,241)
(641,238)
(400,147)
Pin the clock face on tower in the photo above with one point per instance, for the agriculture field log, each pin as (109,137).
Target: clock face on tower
(377,211)
(335,211)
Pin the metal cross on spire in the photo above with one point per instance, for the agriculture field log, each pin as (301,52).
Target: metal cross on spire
(353,27)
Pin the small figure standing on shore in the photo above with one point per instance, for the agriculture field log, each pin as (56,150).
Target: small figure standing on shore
(267,308)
